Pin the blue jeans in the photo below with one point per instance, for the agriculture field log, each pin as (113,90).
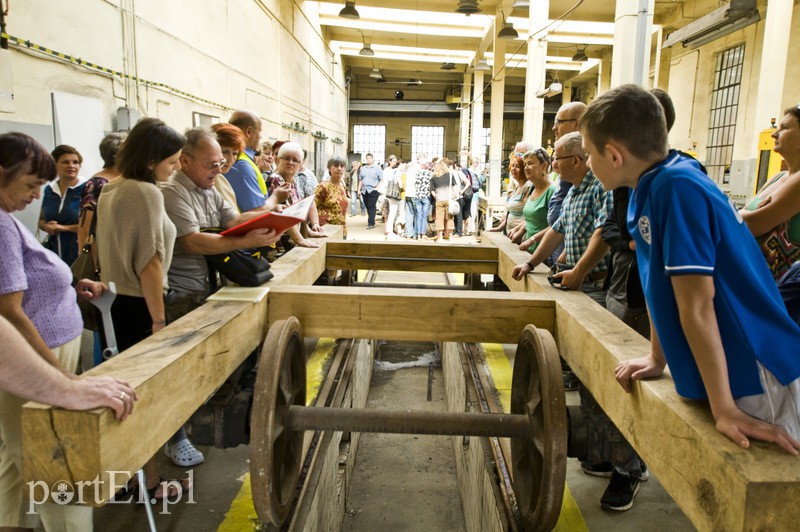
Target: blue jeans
(421,206)
(355,200)
(411,218)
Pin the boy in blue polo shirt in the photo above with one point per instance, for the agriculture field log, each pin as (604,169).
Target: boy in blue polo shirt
(716,316)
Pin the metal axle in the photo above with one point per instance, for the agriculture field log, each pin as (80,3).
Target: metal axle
(407,422)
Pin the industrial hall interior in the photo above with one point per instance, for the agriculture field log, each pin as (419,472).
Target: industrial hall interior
(479,265)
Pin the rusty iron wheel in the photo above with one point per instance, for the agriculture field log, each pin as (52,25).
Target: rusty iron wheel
(539,462)
(275,452)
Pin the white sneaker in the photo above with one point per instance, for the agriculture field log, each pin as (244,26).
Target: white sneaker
(184,454)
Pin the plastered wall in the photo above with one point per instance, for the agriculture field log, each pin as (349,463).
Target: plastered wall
(265,55)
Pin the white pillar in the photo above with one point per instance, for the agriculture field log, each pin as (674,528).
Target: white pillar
(463,138)
(533,122)
(631,55)
(496,116)
(477,114)
(566,93)
(774,53)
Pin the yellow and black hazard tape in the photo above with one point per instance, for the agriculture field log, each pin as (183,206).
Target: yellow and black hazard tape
(122,75)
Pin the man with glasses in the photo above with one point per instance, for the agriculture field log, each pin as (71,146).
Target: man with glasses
(244,176)
(193,204)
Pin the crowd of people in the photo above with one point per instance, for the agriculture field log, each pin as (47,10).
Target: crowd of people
(616,214)
(412,195)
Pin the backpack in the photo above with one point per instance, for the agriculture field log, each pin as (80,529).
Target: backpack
(474,180)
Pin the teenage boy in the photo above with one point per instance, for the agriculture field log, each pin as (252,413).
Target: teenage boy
(716,316)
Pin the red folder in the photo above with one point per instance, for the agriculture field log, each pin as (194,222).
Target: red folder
(280,221)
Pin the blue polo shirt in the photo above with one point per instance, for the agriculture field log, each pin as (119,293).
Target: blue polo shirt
(683,224)
(244,181)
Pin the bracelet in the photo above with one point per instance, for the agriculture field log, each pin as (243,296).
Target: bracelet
(159,322)
(531,266)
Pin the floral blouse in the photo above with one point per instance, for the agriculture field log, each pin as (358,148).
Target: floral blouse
(331,201)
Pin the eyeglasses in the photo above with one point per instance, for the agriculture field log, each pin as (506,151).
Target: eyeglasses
(291,160)
(555,159)
(560,121)
(542,155)
(519,154)
(210,166)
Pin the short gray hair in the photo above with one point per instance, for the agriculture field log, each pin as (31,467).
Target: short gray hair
(291,147)
(572,143)
(196,137)
(336,160)
(525,146)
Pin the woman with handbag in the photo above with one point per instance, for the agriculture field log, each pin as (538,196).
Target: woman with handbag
(37,298)
(444,189)
(394,197)
(61,204)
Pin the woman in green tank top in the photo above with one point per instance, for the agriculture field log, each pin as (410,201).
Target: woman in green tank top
(773,215)
(537,162)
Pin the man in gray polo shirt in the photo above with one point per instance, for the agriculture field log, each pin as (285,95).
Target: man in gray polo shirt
(370,176)
(192,204)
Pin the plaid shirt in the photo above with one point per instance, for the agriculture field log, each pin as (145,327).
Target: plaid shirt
(584,210)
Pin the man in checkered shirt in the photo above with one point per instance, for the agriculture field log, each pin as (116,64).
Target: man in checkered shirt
(579,227)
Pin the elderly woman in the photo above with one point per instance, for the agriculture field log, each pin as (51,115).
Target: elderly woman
(61,204)
(537,163)
(37,298)
(109,147)
(135,240)
(331,197)
(515,201)
(290,158)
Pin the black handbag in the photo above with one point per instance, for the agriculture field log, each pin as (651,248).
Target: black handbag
(85,267)
(245,267)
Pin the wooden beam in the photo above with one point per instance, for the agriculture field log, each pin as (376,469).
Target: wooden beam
(401,256)
(174,371)
(717,484)
(407,314)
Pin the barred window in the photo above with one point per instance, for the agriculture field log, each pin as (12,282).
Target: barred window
(724,108)
(369,138)
(428,140)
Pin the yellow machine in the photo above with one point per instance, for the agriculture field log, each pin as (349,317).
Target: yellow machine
(769,163)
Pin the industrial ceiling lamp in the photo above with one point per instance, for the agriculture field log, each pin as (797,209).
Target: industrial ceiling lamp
(366,50)
(556,86)
(448,65)
(483,66)
(375,74)
(468,7)
(349,11)
(580,55)
(507,31)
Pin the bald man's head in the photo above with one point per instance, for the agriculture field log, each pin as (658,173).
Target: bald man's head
(568,118)
(250,124)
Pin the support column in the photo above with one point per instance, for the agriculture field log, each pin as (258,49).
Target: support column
(603,76)
(496,116)
(633,25)
(533,123)
(566,92)
(774,52)
(477,114)
(463,138)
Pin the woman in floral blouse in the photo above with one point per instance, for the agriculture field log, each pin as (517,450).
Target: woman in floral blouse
(331,197)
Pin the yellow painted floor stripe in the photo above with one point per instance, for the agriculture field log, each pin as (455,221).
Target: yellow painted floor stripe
(571,518)
(242,514)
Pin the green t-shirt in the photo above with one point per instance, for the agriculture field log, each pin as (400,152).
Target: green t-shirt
(535,212)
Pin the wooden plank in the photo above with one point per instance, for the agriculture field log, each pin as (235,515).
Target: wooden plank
(718,485)
(401,256)
(199,352)
(406,314)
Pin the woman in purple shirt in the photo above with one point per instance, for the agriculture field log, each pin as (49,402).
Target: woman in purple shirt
(37,298)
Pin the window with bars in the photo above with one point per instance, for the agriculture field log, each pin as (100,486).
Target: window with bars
(369,138)
(724,108)
(428,140)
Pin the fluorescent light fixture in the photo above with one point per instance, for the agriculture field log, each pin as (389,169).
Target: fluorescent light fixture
(349,11)
(715,25)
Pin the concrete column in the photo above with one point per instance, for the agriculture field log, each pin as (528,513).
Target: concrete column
(477,114)
(496,116)
(463,138)
(534,76)
(566,92)
(630,62)
(604,76)
(772,72)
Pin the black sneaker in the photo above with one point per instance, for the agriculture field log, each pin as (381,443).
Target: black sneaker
(620,492)
(571,381)
(603,469)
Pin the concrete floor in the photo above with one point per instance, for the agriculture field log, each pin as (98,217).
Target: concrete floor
(399,482)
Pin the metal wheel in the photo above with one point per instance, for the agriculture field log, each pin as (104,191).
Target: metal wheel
(539,462)
(276,453)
